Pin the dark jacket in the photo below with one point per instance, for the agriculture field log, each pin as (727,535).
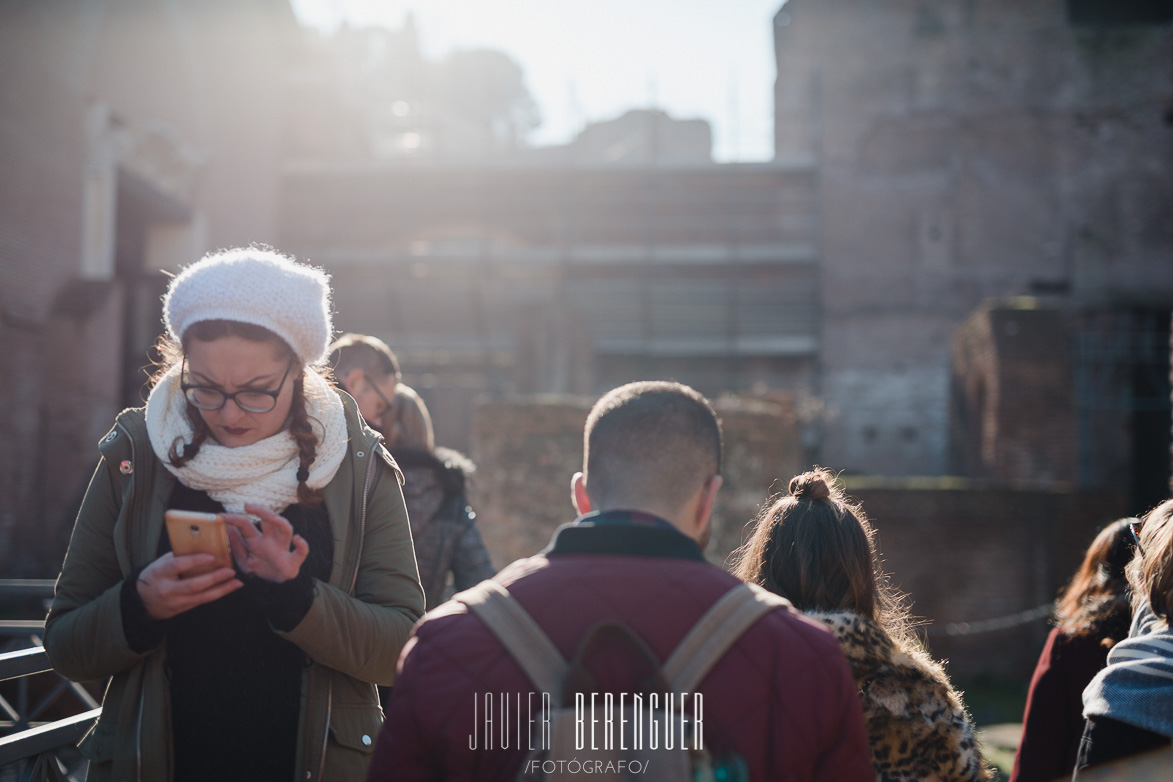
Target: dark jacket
(782,697)
(1129,703)
(353,632)
(443,524)
(1052,721)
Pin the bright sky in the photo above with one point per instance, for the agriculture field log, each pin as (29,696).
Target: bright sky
(591,60)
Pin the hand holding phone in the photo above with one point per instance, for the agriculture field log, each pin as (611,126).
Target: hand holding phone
(269,550)
(192,532)
(178,581)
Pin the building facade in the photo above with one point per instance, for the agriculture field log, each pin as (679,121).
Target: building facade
(974,150)
(545,278)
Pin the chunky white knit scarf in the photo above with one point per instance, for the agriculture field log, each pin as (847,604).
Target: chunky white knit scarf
(264,473)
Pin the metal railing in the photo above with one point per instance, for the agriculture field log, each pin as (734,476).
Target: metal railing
(24,587)
(32,750)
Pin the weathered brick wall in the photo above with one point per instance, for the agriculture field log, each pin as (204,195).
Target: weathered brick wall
(41,155)
(966,150)
(528,449)
(526,452)
(762,453)
(965,552)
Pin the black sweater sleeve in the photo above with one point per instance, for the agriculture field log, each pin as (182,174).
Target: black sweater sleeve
(285,604)
(142,632)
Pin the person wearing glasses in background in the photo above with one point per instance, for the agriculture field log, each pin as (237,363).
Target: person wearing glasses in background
(268,670)
(449,550)
(1129,704)
(367,370)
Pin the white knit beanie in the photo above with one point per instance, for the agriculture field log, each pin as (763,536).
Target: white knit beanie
(261,287)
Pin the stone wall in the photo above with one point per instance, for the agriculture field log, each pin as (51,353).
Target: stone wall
(965,150)
(965,552)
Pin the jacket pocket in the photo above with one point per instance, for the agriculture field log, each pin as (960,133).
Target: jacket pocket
(353,731)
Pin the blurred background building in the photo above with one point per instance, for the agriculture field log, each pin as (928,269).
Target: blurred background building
(956,271)
(134,135)
(975,150)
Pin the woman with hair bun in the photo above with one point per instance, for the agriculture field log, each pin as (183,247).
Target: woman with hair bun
(816,548)
(266,670)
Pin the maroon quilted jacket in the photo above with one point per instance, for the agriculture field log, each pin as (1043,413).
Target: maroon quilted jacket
(782,697)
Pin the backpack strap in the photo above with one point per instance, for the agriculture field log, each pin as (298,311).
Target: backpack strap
(519,634)
(716,631)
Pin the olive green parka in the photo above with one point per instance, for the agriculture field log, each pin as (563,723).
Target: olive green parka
(353,633)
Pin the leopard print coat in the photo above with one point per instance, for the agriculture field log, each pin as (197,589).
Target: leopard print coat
(916,723)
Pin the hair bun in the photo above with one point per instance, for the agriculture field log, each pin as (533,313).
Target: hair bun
(809,486)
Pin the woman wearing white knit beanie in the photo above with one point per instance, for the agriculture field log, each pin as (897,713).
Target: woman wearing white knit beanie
(265,670)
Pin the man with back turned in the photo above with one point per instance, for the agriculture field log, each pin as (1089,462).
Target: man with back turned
(779,704)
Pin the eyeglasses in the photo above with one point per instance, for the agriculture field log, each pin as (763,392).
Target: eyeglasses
(1134,528)
(249,400)
(387,404)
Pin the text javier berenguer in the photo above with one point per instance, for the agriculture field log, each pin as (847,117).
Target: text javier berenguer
(623,721)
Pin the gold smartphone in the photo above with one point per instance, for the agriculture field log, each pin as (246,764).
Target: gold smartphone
(199,533)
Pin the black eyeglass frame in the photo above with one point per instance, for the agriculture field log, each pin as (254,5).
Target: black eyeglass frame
(188,390)
(378,392)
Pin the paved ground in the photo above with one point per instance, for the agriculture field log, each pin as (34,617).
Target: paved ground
(999,743)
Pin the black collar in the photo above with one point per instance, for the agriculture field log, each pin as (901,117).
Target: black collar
(624,533)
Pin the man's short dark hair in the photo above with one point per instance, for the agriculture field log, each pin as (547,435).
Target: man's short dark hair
(361,351)
(652,439)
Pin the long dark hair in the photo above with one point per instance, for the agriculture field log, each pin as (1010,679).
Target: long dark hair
(299,423)
(1098,591)
(815,547)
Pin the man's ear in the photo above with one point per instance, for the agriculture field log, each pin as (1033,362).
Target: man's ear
(704,507)
(578,494)
(351,380)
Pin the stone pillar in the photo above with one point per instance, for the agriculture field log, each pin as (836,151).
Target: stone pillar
(1013,417)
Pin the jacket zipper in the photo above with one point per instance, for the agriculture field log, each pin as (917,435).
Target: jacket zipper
(362,531)
(326,733)
(362,518)
(138,738)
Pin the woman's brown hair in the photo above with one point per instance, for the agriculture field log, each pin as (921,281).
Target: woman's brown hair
(299,423)
(1151,574)
(408,424)
(1099,587)
(815,547)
